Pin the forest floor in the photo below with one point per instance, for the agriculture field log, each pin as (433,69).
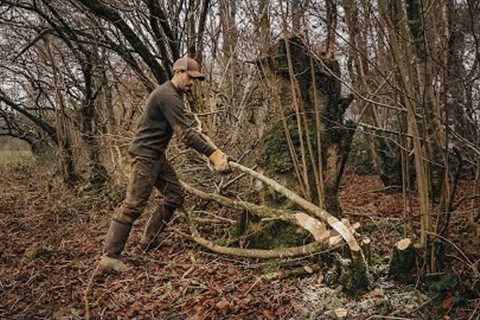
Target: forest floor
(51,238)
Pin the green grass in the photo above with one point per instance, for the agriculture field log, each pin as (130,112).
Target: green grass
(12,157)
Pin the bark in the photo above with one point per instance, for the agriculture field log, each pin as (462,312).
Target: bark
(88,117)
(407,78)
(199,44)
(263,26)
(228,11)
(298,12)
(67,159)
(331,27)
(426,100)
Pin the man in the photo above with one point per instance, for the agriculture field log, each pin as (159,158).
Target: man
(163,115)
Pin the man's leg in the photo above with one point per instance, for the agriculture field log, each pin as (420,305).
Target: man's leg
(142,179)
(168,185)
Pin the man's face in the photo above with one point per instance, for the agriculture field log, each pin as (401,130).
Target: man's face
(185,82)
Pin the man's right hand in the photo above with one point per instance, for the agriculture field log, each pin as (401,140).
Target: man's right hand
(219,161)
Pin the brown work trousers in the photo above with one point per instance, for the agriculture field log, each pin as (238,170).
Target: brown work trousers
(145,174)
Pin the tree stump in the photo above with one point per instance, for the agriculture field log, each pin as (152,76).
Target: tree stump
(353,272)
(402,261)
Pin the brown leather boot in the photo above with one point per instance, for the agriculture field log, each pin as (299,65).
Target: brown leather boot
(155,225)
(115,240)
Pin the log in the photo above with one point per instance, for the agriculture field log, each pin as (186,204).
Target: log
(403,260)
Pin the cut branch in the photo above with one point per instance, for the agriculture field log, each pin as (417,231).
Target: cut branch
(322,214)
(309,249)
(312,225)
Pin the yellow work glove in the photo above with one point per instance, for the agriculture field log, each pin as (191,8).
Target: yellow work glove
(219,161)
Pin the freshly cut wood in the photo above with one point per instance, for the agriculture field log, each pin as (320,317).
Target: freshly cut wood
(340,313)
(312,225)
(334,238)
(402,261)
(318,212)
(365,243)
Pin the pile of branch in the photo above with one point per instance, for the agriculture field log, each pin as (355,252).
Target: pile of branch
(324,239)
(354,276)
(314,222)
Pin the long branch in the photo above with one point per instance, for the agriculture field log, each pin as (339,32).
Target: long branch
(320,213)
(315,227)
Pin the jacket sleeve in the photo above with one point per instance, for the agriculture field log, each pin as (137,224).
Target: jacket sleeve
(181,122)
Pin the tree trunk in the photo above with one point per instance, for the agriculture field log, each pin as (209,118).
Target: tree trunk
(314,134)
(66,157)
(88,130)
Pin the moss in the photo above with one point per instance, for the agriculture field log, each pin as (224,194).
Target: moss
(277,234)
(275,156)
(353,276)
(259,235)
(232,235)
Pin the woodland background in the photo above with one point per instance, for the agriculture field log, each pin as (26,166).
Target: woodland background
(369,109)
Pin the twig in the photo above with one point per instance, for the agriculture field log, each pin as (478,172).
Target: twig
(467,260)
(425,303)
(87,291)
(475,313)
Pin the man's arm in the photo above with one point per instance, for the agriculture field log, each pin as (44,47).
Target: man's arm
(182,123)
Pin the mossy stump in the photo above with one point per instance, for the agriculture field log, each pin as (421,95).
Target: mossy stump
(353,273)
